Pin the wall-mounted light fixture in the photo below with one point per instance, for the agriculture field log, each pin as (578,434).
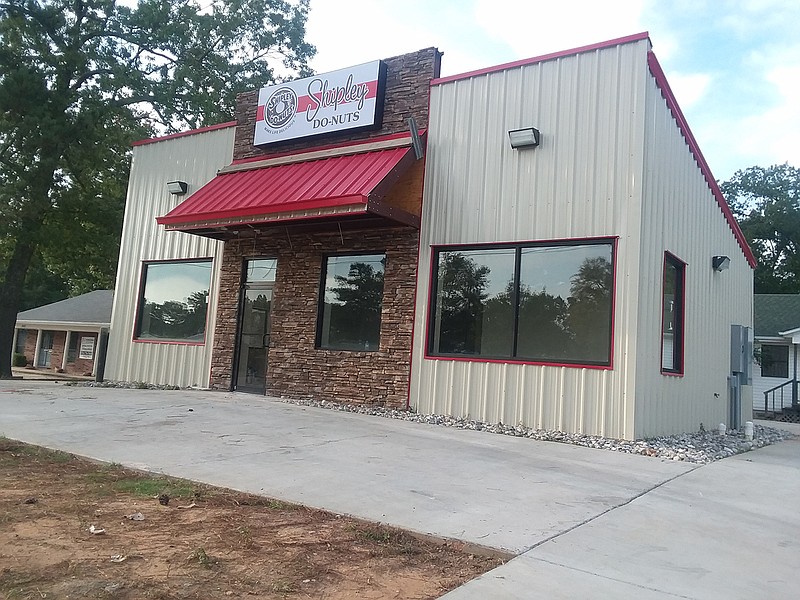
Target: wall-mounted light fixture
(524,138)
(177,187)
(720,263)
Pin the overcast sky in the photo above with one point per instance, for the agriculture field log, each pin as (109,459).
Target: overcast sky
(734,65)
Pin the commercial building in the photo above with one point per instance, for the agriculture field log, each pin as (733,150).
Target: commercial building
(560,257)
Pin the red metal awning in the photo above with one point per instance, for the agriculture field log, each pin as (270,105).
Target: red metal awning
(294,188)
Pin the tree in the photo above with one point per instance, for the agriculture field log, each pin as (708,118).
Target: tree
(766,202)
(460,304)
(80,80)
(590,308)
(355,315)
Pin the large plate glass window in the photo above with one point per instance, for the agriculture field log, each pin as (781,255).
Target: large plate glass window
(548,302)
(351,302)
(672,304)
(173,302)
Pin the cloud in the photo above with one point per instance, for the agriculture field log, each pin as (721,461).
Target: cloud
(773,134)
(533,28)
(350,32)
(689,88)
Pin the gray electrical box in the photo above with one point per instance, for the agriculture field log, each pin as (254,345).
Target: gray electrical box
(742,353)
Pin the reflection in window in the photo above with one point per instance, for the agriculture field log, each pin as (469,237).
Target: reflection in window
(672,316)
(545,302)
(474,314)
(261,270)
(565,303)
(352,298)
(174,301)
(775,361)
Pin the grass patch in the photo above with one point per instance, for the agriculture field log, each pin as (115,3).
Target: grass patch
(200,556)
(15,449)
(281,586)
(153,486)
(387,537)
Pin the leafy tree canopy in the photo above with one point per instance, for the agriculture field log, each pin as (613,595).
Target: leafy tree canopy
(766,202)
(79,81)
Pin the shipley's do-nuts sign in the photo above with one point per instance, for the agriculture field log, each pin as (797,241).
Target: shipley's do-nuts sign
(345,99)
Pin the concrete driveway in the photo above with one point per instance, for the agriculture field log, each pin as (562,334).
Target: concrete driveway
(587,523)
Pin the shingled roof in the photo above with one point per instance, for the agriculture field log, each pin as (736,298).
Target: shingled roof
(774,313)
(92,308)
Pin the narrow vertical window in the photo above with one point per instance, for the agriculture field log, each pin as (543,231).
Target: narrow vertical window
(672,307)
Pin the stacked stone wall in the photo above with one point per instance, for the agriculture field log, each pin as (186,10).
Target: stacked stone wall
(297,368)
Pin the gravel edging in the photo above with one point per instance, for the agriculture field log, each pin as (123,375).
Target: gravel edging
(700,447)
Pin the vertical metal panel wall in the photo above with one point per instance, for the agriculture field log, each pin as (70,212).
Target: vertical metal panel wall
(195,159)
(583,181)
(680,215)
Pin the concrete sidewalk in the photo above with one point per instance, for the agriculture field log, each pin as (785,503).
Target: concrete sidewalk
(589,523)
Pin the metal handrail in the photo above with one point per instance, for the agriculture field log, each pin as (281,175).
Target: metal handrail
(773,390)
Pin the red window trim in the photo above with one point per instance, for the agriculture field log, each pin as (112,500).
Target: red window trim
(680,326)
(435,248)
(140,297)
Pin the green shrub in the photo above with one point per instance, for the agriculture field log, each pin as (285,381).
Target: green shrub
(19,360)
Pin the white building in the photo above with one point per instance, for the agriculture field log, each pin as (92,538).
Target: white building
(617,181)
(777,338)
(586,280)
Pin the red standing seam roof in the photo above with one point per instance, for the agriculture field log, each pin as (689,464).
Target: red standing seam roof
(309,185)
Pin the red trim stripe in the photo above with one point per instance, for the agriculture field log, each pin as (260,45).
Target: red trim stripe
(537,59)
(683,125)
(358,142)
(172,136)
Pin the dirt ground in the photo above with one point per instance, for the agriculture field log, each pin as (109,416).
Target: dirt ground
(204,542)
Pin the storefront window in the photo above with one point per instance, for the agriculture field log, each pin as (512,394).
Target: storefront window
(350,306)
(474,314)
(548,302)
(173,302)
(672,316)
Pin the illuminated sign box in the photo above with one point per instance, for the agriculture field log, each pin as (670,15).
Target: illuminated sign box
(342,100)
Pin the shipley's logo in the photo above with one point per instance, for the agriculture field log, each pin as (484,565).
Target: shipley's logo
(281,108)
(345,99)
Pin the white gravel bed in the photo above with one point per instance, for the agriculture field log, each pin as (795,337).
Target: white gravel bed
(700,447)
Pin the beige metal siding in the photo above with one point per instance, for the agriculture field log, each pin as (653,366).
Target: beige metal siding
(583,181)
(194,159)
(680,215)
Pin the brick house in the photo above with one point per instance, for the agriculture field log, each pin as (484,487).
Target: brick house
(63,336)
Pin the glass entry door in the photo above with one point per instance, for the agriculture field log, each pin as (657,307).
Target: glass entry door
(254,327)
